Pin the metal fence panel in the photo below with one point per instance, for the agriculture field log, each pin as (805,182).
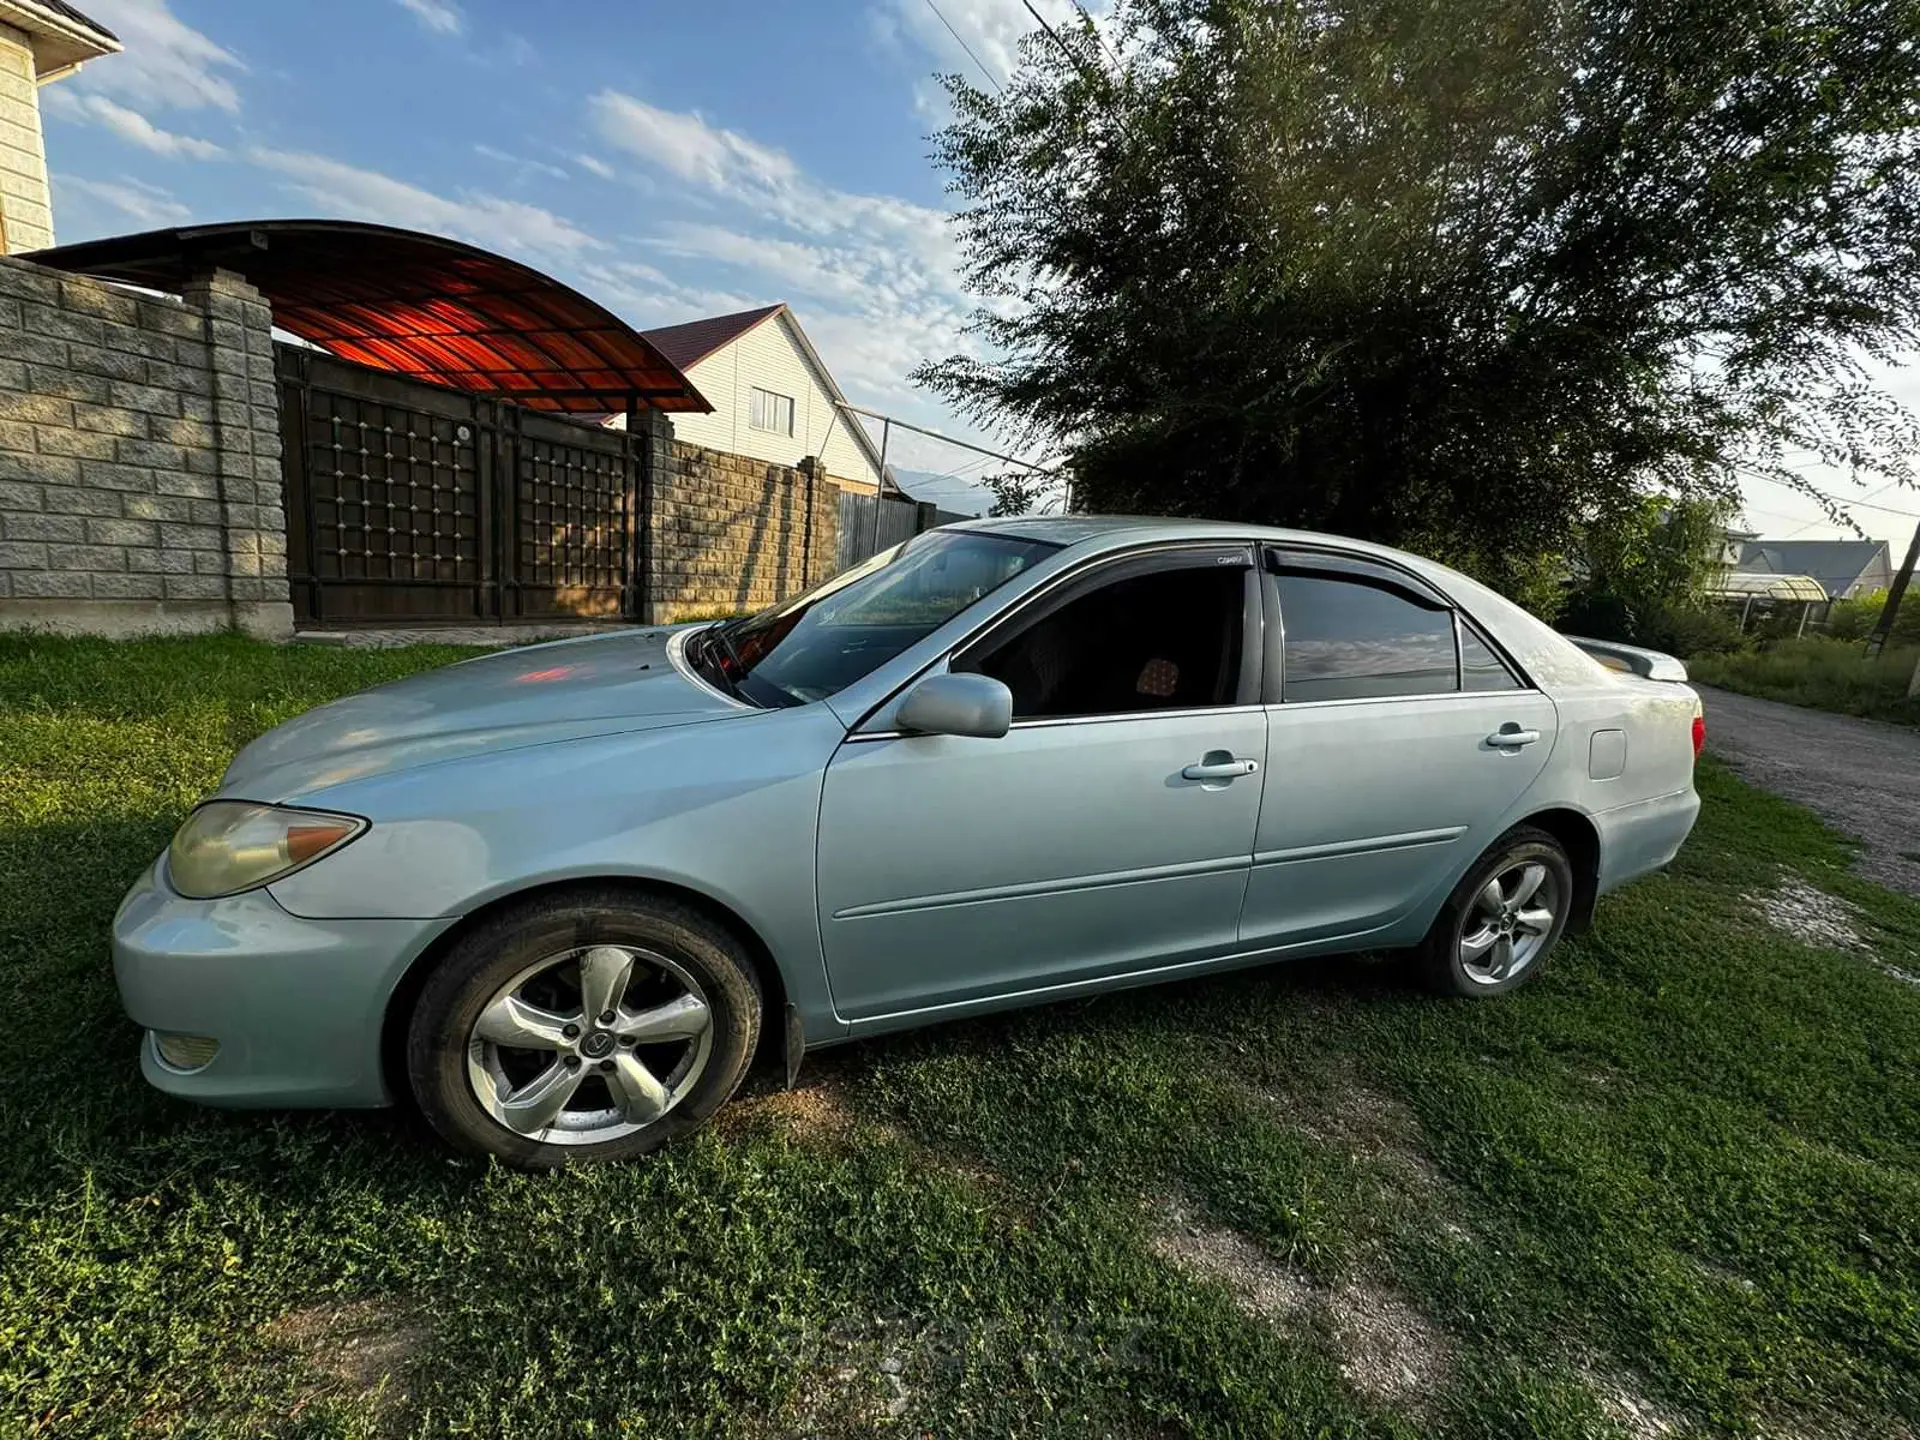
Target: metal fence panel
(899,520)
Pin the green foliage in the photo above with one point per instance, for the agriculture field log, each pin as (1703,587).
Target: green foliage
(1824,673)
(1643,566)
(1687,1161)
(1855,619)
(1469,276)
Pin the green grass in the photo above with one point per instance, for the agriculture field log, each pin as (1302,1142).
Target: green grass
(1688,1159)
(1821,673)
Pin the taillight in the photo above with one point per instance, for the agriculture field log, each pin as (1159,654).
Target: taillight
(1699,732)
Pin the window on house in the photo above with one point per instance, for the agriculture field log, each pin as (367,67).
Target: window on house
(771,411)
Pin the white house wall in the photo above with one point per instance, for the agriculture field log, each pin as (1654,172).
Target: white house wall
(770,357)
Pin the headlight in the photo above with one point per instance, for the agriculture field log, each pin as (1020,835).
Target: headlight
(231,845)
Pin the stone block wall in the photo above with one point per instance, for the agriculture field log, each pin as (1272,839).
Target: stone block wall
(140,485)
(732,533)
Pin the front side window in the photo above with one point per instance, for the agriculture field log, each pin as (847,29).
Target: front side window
(1170,639)
(818,643)
(1354,639)
(771,412)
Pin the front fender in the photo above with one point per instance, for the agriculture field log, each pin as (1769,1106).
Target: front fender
(728,810)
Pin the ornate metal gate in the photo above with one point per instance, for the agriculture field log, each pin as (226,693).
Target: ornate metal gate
(407,502)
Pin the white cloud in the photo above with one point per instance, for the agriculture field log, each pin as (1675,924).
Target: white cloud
(440,16)
(129,125)
(686,146)
(480,219)
(521,164)
(148,204)
(593,165)
(873,277)
(166,63)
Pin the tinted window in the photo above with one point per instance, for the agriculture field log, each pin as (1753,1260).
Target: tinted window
(818,643)
(1347,640)
(1168,640)
(1480,668)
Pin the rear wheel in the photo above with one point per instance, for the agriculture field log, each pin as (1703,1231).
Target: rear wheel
(587,1026)
(1502,920)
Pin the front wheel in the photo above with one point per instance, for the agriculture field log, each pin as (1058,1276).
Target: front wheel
(585,1026)
(1503,918)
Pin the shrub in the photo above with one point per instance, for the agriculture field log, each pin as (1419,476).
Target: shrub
(1824,673)
(1681,629)
(1855,619)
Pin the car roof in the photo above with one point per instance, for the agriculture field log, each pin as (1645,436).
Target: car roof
(1104,531)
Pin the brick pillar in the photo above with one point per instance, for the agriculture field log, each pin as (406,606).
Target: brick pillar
(655,432)
(238,329)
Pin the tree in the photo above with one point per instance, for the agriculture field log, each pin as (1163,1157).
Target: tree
(1467,276)
(1643,568)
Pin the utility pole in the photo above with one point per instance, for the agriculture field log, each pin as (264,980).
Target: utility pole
(1877,641)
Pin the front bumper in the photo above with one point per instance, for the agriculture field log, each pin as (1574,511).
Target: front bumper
(297,1005)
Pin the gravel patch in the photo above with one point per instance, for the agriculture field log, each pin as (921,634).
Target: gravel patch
(1860,776)
(1809,915)
(358,1346)
(1389,1351)
(1262,1286)
(1621,1402)
(1813,917)
(1385,1348)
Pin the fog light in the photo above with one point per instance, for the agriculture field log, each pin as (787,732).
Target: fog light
(186,1052)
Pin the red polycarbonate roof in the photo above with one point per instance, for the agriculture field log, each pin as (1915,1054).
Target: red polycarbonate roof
(415,304)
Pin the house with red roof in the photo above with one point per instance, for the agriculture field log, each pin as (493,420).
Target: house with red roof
(773,397)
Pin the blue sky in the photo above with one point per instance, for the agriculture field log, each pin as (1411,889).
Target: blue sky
(671,160)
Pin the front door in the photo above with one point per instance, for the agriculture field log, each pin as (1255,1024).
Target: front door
(1110,830)
(1399,744)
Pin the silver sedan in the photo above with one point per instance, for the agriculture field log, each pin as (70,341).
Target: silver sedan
(558,897)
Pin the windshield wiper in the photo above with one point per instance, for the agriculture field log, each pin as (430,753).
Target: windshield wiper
(700,650)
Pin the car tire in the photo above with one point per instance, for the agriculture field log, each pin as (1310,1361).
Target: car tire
(1462,953)
(514,968)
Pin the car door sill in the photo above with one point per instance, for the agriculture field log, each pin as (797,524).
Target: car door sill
(1129,979)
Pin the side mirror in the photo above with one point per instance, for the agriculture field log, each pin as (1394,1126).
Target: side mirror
(973,705)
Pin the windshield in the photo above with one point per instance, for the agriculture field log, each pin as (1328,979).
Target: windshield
(815,644)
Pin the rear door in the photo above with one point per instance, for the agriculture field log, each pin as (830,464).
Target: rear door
(1398,741)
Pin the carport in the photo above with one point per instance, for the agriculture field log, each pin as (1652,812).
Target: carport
(1743,587)
(429,472)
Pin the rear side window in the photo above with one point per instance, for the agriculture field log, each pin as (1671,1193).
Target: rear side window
(1349,639)
(1480,668)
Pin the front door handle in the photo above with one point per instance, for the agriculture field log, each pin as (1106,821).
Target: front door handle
(1512,738)
(1220,765)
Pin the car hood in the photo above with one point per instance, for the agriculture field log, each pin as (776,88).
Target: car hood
(599,685)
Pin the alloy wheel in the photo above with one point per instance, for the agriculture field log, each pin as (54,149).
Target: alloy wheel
(1507,926)
(590,1044)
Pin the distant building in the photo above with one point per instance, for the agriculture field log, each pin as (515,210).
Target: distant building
(40,41)
(772,395)
(1845,569)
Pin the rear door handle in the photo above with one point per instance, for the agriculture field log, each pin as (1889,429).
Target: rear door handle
(1512,739)
(1223,769)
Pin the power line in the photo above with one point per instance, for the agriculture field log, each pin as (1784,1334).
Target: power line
(1112,54)
(966,47)
(1824,495)
(1825,520)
